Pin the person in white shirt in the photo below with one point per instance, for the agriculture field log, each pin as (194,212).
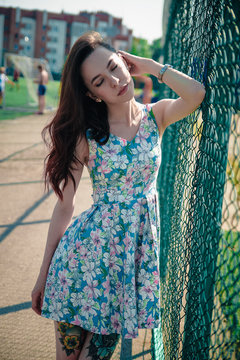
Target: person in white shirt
(3,80)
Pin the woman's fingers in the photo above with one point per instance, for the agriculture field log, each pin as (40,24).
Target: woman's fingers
(136,65)
(125,59)
(121,52)
(129,64)
(130,59)
(37,294)
(37,302)
(124,53)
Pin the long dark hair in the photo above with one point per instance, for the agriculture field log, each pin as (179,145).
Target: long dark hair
(76,114)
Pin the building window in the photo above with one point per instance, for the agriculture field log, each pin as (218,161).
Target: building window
(43,38)
(16,36)
(28,26)
(44,27)
(42,50)
(54,28)
(54,39)
(15,46)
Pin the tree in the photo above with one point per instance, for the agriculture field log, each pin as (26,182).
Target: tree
(156,49)
(141,47)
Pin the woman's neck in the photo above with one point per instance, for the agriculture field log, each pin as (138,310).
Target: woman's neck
(124,113)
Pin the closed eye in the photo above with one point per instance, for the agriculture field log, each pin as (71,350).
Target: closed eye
(100,83)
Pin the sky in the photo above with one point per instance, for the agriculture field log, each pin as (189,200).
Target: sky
(143,17)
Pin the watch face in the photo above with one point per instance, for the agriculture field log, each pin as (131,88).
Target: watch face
(162,71)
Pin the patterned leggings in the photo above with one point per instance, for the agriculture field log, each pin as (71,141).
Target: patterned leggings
(73,337)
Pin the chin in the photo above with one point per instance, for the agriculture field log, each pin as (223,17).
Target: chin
(130,92)
(128,97)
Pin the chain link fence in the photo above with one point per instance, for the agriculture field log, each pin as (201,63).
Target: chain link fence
(199,189)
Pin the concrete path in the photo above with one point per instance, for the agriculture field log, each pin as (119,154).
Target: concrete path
(25,213)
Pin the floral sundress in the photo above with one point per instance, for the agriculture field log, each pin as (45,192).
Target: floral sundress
(104,275)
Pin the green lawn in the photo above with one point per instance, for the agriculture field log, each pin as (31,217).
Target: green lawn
(19,103)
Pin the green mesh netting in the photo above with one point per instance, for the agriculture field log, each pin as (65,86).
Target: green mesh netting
(199,189)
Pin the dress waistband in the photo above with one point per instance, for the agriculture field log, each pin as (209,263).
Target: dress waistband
(126,197)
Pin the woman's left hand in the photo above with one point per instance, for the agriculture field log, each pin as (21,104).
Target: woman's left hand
(136,65)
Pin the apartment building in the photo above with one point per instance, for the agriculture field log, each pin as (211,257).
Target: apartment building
(47,35)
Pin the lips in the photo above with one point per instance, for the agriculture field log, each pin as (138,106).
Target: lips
(123,90)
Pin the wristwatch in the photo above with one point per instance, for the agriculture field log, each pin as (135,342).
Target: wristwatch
(162,71)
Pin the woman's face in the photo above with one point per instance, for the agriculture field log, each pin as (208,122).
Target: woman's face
(107,77)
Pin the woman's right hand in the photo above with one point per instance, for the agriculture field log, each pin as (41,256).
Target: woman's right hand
(37,295)
(136,65)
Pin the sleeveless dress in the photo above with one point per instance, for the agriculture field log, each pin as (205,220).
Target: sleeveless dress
(104,275)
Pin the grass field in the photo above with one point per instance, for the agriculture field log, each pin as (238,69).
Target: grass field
(17,100)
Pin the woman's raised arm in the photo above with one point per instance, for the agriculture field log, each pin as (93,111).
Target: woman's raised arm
(167,111)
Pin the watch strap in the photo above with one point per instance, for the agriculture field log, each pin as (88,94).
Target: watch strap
(162,71)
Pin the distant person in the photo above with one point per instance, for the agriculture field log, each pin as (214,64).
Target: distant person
(146,96)
(42,88)
(3,80)
(16,75)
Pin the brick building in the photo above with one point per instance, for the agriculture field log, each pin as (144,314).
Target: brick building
(42,34)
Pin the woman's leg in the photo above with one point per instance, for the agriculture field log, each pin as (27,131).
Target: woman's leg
(69,341)
(99,347)
(41,103)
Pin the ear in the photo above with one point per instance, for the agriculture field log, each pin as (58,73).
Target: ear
(93,97)
(89,94)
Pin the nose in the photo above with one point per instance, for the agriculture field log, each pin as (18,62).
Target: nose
(114,81)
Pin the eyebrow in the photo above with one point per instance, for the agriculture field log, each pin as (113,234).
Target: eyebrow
(95,77)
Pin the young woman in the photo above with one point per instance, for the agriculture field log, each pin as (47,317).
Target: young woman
(100,276)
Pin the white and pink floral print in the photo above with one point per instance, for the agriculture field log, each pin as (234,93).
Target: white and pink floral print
(104,275)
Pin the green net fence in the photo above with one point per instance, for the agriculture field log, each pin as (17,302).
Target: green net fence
(199,189)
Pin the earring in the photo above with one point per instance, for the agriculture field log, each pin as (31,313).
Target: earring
(98,100)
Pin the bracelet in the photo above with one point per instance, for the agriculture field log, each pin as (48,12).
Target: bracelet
(162,71)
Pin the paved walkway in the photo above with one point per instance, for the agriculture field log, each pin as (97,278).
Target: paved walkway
(25,213)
